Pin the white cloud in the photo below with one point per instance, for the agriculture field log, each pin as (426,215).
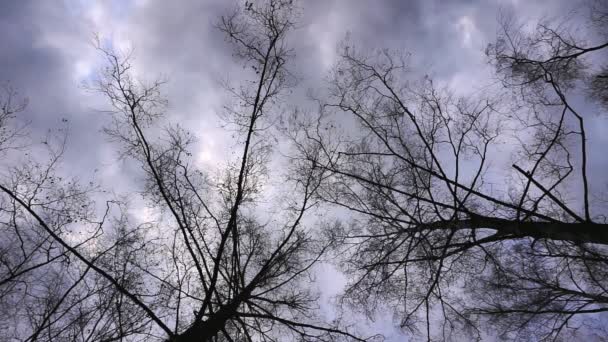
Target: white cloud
(468,31)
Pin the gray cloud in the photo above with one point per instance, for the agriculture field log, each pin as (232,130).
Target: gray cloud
(46,54)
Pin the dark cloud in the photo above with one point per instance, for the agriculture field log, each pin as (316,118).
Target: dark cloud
(43,44)
(46,54)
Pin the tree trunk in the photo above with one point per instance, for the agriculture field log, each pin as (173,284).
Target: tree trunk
(203,331)
(579,232)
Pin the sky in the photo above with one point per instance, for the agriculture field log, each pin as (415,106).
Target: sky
(47,55)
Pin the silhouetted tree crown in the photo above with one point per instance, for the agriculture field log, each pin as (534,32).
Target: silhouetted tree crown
(431,220)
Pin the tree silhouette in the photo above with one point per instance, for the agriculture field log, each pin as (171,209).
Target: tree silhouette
(439,232)
(434,222)
(206,267)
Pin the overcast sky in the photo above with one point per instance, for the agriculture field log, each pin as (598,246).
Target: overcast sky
(47,53)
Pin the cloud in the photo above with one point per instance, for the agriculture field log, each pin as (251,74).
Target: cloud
(47,52)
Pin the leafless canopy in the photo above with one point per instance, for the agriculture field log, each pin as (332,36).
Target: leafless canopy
(204,268)
(433,221)
(440,232)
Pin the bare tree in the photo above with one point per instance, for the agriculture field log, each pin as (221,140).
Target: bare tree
(10,107)
(205,268)
(438,231)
